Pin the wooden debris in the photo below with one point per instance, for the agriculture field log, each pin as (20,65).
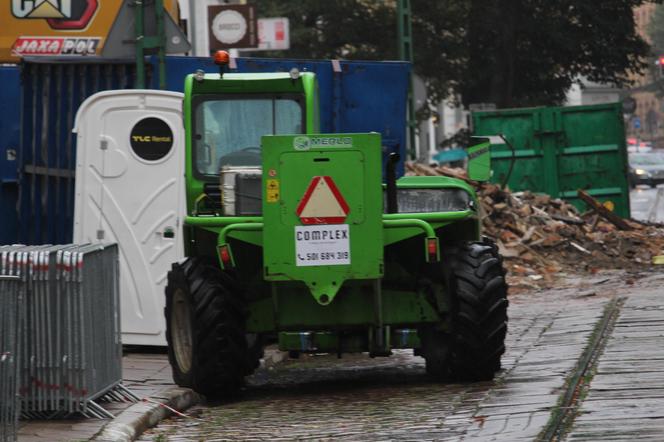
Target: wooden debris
(540,235)
(579,248)
(569,220)
(603,211)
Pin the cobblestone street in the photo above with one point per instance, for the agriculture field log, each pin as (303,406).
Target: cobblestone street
(358,398)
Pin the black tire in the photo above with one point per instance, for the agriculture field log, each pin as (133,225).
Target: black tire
(255,353)
(436,350)
(475,280)
(205,329)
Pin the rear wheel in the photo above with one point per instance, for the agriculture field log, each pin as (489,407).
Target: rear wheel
(436,350)
(205,329)
(255,353)
(475,280)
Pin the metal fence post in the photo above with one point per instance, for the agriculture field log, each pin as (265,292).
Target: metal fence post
(10,286)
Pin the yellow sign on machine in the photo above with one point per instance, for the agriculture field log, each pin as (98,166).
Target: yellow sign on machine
(59,27)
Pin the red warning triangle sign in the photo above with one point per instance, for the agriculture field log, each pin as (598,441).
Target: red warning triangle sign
(322,203)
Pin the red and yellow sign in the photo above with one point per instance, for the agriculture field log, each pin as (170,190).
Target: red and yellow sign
(58,27)
(322,203)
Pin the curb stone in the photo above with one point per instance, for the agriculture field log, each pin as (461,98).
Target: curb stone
(133,421)
(129,424)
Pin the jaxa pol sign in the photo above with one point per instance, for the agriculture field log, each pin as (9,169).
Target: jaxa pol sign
(58,27)
(39,22)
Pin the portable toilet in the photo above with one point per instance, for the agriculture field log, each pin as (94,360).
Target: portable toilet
(130,190)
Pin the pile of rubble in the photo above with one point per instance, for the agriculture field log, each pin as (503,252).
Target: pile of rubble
(540,236)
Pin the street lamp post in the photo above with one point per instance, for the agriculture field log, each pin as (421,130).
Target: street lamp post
(405,36)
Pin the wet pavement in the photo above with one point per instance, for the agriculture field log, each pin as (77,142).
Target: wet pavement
(357,398)
(625,400)
(145,374)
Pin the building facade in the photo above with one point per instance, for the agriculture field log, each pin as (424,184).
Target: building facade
(647,122)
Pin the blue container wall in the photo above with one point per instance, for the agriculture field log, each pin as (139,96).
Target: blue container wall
(365,96)
(51,95)
(10,123)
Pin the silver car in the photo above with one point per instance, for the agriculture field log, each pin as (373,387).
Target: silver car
(646,168)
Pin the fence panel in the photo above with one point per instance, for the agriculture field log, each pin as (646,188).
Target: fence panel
(67,305)
(11,314)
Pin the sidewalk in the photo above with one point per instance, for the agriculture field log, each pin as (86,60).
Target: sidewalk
(625,400)
(146,375)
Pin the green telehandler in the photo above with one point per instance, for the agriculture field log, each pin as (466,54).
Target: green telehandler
(292,238)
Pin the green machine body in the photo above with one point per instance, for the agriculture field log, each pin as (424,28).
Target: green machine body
(324,224)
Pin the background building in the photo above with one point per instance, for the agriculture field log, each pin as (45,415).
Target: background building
(646,124)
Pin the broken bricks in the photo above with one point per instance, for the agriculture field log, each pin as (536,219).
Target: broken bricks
(541,235)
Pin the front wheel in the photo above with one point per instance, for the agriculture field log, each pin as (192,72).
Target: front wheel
(205,329)
(474,279)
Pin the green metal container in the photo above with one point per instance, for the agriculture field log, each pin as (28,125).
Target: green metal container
(559,150)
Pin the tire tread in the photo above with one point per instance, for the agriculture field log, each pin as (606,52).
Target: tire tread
(218,319)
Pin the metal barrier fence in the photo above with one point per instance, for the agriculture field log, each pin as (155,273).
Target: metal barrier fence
(69,328)
(10,301)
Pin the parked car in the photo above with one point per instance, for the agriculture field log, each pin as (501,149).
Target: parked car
(646,168)
(634,145)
